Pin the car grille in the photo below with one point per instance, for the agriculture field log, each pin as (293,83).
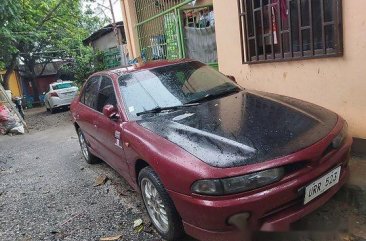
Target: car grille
(293,167)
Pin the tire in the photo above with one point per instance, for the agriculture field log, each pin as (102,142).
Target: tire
(172,229)
(89,158)
(52,110)
(47,108)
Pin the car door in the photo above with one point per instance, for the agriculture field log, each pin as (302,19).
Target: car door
(87,116)
(110,130)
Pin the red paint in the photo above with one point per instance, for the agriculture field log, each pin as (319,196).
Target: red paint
(54,94)
(273,207)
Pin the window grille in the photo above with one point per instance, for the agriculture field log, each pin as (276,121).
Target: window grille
(282,30)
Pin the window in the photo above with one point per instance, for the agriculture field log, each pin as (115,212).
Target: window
(89,95)
(62,86)
(106,94)
(277,30)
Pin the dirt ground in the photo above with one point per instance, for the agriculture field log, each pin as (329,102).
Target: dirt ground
(48,192)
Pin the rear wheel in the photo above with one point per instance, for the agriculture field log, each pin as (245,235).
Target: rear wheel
(89,158)
(159,206)
(47,106)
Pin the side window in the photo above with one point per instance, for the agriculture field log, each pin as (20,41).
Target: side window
(106,94)
(86,86)
(89,95)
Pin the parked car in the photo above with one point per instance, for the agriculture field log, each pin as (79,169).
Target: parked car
(209,157)
(60,94)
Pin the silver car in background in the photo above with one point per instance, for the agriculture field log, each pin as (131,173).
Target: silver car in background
(60,94)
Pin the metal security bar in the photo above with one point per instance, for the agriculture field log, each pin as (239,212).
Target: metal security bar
(159,28)
(283,30)
(159,38)
(146,9)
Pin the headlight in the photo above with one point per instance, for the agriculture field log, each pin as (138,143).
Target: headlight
(238,184)
(338,140)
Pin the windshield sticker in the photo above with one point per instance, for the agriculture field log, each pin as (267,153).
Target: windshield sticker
(131,109)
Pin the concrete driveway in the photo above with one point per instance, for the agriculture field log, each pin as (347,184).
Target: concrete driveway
(48,192)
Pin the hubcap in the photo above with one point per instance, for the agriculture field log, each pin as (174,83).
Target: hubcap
(154,205)
(84,148)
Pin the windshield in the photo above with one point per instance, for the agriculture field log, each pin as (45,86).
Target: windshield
(172,85)
(62,86)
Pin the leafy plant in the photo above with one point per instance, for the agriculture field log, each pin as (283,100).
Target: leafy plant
(37,32)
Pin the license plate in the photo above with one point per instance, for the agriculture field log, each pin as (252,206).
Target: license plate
(322,184)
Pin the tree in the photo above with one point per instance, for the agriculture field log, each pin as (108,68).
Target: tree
(37,32)
(8,14)
(84,64)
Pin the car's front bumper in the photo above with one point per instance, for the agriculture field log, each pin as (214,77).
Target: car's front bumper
(273,209)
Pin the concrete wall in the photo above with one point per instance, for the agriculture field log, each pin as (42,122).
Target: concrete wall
(130,21)
(106,42)
(338,83)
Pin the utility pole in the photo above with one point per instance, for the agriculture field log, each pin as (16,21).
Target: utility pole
(115,29)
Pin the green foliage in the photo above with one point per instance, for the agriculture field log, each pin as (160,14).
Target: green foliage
(85,63)
(40,31)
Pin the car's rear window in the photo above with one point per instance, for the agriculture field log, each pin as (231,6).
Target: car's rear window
(62,86)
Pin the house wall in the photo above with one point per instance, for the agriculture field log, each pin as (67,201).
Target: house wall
(338,83)
(106,42)
(44,82)
(14,84)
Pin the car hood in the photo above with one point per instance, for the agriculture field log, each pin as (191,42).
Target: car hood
(244,128)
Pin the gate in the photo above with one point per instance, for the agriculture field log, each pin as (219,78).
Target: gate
(161,33)
(159,28)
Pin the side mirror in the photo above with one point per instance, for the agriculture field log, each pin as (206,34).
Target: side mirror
(110,111)
(232,78)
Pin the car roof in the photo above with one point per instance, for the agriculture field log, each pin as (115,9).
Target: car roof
(143,66)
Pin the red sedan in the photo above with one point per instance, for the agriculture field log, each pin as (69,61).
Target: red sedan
(209,157)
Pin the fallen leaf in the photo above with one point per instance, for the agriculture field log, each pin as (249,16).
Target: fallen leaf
(101,180)
(112,238)
(140,228)
(137,223)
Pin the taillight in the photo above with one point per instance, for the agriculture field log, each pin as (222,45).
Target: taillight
(53,94)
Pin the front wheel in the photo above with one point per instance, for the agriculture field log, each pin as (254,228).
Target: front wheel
(159,206)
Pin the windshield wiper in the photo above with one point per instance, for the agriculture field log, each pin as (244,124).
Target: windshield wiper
(159,109)
(216,95)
